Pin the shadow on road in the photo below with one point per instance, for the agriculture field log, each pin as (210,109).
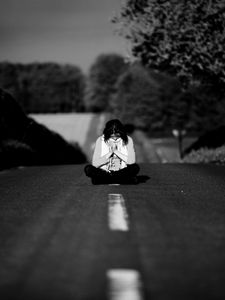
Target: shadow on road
(142,178)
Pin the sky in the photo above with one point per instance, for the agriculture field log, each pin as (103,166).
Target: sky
(63,31)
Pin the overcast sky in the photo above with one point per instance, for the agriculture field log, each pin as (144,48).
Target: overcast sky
(65,31)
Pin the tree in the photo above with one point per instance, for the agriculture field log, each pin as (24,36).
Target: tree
(183,37)
(136,97)
(9,78)
(44,87)
(54,87)
(208,109)
(101,81)
(145,99)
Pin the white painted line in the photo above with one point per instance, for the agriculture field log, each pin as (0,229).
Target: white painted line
(117,213)
(114,184)
(124,284)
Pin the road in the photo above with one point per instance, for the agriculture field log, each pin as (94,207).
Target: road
(84,128)
(57,240)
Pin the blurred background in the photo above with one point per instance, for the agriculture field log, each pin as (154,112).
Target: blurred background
(67,66)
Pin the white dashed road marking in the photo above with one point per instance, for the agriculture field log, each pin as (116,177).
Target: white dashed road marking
(117,213)
(124,284)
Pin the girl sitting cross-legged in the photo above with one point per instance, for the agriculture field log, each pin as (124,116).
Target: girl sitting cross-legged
(114,157)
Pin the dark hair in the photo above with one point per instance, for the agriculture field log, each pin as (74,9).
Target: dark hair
(115,126)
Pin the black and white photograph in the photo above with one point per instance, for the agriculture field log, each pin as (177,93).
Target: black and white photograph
(112,149)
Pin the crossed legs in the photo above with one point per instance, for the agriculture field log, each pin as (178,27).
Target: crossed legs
(125,175)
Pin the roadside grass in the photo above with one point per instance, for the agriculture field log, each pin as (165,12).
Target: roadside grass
(14,153)
(205,155)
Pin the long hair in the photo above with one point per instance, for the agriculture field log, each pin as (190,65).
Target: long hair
(113,127)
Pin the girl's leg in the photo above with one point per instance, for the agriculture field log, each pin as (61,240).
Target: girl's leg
(127,174)
(97,175)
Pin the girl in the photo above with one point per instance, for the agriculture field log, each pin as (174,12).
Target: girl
(114,156)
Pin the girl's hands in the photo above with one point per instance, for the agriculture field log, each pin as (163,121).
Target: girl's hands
(113,148)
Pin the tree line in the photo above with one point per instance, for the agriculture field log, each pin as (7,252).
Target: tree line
(151,100)
(44,87)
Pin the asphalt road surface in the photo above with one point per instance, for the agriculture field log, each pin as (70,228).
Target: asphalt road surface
(62,238)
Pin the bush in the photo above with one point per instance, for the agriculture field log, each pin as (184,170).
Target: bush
(205,155)
(211,140)
(15,153)
(13,120)
(25,142)
(51,147)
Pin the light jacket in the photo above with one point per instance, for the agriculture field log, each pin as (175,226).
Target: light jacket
(123,156)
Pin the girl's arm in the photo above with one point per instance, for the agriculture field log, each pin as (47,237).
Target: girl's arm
(130,158)
(121,155)
(97,159)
